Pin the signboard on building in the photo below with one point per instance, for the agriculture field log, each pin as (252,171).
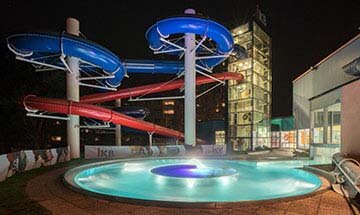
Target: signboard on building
(260,16)
(132,151)
(149,151)
(213,149)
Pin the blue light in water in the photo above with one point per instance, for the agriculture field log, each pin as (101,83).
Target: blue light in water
(192,171)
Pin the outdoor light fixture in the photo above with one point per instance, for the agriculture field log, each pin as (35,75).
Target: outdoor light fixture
(353,68)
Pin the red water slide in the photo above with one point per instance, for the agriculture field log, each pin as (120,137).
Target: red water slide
(92,111)
(155,88)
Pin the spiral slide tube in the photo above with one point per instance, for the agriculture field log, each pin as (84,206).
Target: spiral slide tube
(38,45)
(196,25)
(45,49)
(50,50)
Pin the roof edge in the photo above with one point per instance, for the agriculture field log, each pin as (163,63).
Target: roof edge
(327,57)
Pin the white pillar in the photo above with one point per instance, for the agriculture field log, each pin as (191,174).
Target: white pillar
(118,127)
(150,138)
(73,93)
(190,87)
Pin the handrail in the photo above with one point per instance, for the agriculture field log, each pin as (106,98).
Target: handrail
(349,159)
(346,175)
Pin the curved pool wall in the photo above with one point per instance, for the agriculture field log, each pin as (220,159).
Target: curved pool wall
(133,179)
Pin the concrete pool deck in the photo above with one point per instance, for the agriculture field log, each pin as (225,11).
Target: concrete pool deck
(49,191)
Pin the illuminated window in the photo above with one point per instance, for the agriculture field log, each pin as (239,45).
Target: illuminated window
(275,139)
(334,127)
(56,138)
(317,118)
(168,103)
(220,137)
(241,29)
(303,138)
(335,134)
(318,135)
(169,112)
(288,139)
(241,65)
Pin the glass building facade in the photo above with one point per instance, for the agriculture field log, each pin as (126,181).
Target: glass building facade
(249,101)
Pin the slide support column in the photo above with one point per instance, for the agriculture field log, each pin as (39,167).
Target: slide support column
(73,93)
(118,127)
(190,87)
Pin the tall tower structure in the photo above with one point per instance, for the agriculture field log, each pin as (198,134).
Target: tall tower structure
(249,101)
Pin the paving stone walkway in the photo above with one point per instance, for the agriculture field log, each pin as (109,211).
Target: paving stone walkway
(49,191)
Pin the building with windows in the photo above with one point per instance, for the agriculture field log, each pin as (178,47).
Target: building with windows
(319,100)
(249,101)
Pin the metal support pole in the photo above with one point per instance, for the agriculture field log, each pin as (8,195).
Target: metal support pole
(118,127)
(73,93)
(190,87)
(150,138)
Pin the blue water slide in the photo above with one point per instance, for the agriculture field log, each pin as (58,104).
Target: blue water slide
(39,47)
(33,45)
(192,24)
(153,66)
(46,49)
(147,67)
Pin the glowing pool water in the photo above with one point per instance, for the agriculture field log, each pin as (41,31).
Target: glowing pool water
(181,180)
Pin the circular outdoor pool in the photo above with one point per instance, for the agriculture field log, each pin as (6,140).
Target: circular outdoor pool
(193,180)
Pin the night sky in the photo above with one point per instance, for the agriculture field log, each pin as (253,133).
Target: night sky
(303,32)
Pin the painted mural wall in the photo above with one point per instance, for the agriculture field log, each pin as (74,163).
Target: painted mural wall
(21,161)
